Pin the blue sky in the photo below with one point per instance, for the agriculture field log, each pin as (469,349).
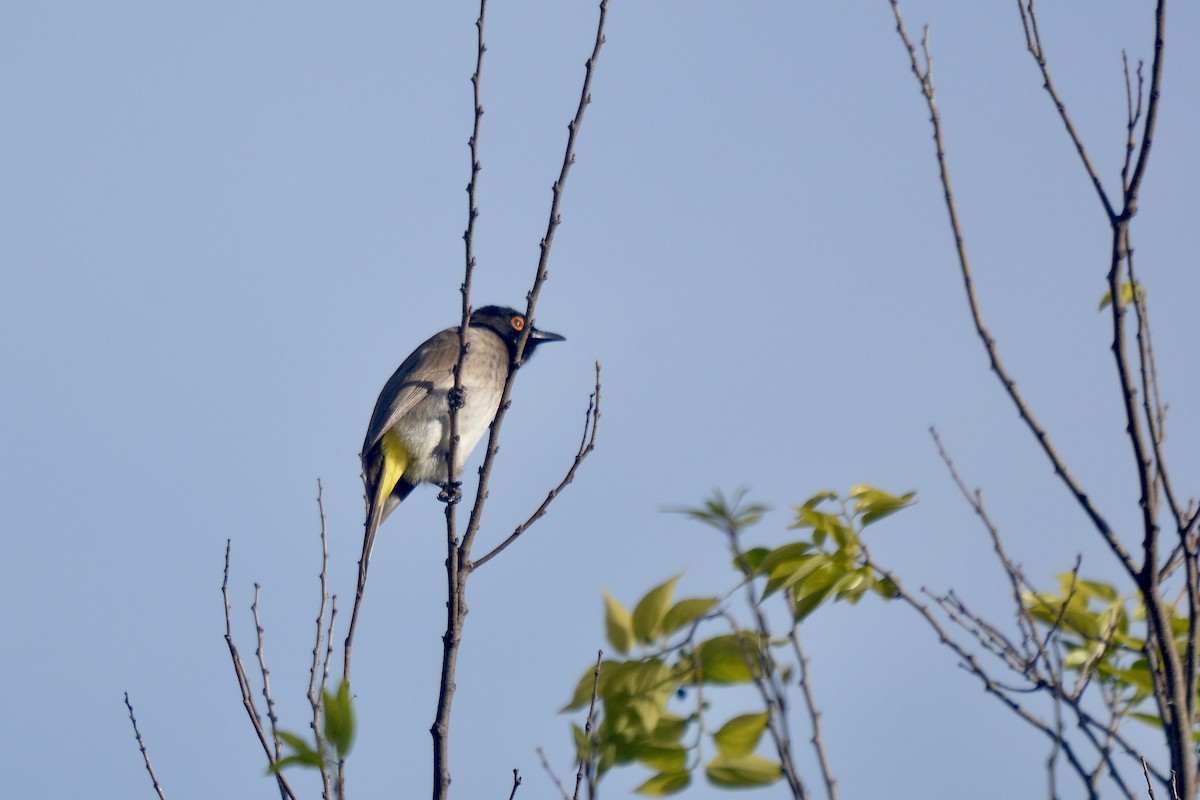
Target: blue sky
(227,223)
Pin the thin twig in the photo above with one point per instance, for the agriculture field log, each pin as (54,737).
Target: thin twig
(137,735)
(814,714)
(762,670)
(1174,691)
(459,551)
(1133,111)
(261,655)
(761,663)
(1146,773)
(585,764)
(316,685)
(1056,744)
(925,80)
(516,783)
(585,98)
(591,417)
(1156,80)
(1033,43)
(455,577)
(1025,620)
(558,784)
(970,663)
(244,683)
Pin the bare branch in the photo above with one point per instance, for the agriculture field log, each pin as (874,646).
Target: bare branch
(585,98)
(1149,785)
(1156,79)
(459,551)
(1033,42)
(137,735)
(244,684)
(1015,580)
(1133,115)
(558,784)
(260,653)
(814,714)
(455,577)
(516,783)
(586,764)
(316,685)
(924,77)
(591,418)
(971,664)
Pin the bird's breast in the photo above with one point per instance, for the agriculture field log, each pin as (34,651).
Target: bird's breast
(426,428)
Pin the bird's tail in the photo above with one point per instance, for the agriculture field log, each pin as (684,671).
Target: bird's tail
(382,471)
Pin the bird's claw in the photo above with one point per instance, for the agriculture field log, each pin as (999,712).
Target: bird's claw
(451,492)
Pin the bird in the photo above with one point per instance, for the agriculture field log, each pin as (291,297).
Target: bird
(408,438)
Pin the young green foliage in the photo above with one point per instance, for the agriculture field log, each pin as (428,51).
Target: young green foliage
(1092,621)
(653,703)
(1127,294)
(335,742)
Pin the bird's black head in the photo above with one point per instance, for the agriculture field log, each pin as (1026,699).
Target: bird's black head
(509,324)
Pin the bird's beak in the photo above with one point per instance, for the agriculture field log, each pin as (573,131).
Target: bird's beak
(545,336)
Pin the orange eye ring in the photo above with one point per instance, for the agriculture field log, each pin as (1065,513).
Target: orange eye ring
(517,323)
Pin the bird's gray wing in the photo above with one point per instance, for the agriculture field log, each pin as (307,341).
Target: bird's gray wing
(429,369)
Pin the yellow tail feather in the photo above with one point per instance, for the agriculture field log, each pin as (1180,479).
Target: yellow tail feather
(395,462)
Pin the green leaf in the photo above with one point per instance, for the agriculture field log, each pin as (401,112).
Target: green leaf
(741,771)
(739,736)
(618,624)
(582,746)
(790,573)
(875,504)
(687,611)
(294,741)
(724,514)
(1103,591)
(670,729)
(662,758)
(820,521)
(852,587)
(1137,675)
(638,677)
(665,783)
(816,590)
(302,753)
(291,761)
(790,552)
(607,758)
(1149,719)
(1079,656)
(648,711)
(753,558)
(339,719)
(1126,295)
(582,697)
(818,498)
(885,588)
(649,613)
(723,659)
(636,696)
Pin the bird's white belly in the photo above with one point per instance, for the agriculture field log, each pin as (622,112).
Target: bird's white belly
(426,430)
